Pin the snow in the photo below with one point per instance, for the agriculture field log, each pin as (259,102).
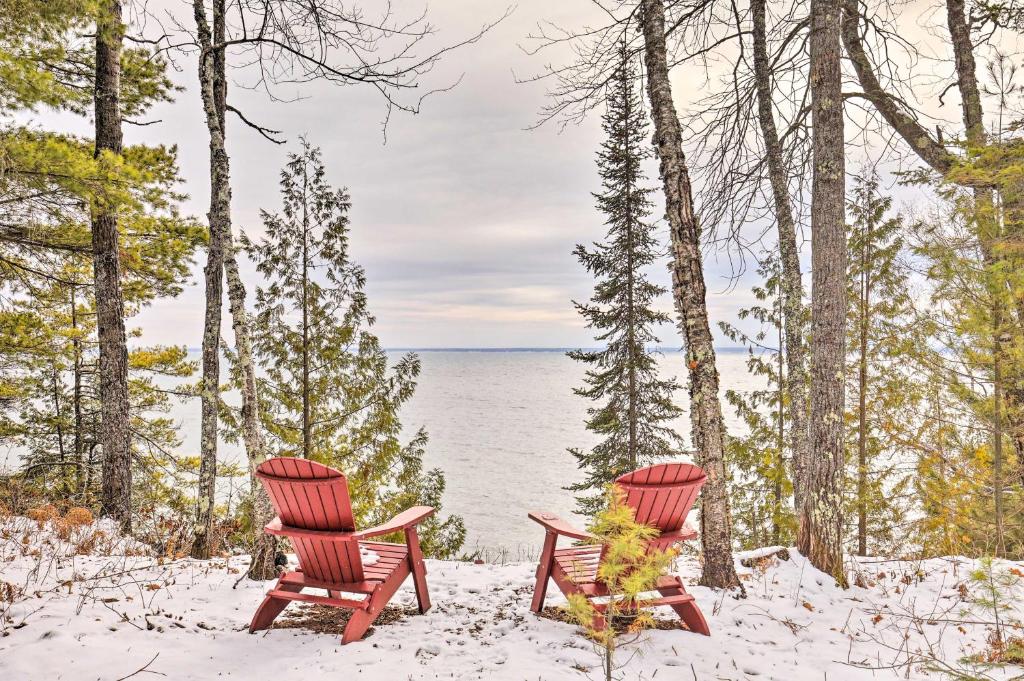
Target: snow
(107,615)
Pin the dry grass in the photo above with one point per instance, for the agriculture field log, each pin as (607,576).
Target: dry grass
(558,613)
(323,619)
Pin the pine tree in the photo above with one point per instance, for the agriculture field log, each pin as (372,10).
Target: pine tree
(629,568)
(48,363)
(51,185)
(760,480)
(976,355)
(328,392)
(882,397)
(635,404)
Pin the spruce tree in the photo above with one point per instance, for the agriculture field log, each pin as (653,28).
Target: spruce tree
(328,392)
(882,397)
(635,404)
(760,479)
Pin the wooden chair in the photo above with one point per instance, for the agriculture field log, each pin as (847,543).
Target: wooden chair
(314,511)
(662,496)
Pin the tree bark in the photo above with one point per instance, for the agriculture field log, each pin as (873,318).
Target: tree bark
(689,295)
(821,523)
(213,87)
(862,398)
(82,488)
(307,421)
(115,435)
(791,281)
(219,212)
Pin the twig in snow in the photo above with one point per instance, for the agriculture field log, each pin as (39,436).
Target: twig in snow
(144,669)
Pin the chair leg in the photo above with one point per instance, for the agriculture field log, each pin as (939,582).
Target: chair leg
(362,619)
(547,559)
(357,625)
(418,569)
(689,613)
(270,608)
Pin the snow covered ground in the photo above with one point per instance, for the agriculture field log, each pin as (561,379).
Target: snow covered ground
(106,616)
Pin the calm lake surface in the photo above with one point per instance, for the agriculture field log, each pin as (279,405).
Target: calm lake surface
(500,423)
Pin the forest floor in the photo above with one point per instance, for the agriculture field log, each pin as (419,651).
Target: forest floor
(74,606)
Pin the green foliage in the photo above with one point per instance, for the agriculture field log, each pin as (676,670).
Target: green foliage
(48,371)
(974,363)
(49,184)
(328,390)
(760,486)
(882,395)
(629,568)
(47,59)
(635,403)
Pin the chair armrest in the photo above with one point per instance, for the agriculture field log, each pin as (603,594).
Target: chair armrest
(276,527)
(402,521)
(552,523)
(685,534)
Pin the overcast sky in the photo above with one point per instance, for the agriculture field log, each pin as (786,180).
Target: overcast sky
(464,219)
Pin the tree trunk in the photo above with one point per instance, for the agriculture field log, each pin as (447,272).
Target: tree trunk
(307,422)
(689,295)
(213,86)
(988,228)
(220,206)
(115,435)
(862,398)
(264,550)
(892,110)
(821,523)
(82,488)
(627,113)
(780,461)
(791,288)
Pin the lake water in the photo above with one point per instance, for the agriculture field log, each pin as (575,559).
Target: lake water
(500,423)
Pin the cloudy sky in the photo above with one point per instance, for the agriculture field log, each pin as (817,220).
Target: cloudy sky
(464,219)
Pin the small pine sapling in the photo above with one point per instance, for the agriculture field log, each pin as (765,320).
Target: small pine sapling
(629,568)
(997,591)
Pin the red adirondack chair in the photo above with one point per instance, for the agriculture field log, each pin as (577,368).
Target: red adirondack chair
(315,512)
(662,496)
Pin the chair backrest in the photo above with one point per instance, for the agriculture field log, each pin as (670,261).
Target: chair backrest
(311,496)
(663,494)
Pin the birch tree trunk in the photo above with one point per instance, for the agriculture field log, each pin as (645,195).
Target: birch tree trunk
(219,212)
(795,383)
(689,295)
(115,435)
(264,550)
(821,523)
(213,87)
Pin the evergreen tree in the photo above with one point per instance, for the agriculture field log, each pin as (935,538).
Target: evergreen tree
(327,391)
(635,404)
(759,470)
(975,361)
(51,185)
(882,396)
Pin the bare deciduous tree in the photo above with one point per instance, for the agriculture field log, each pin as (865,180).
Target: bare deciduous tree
(284,41)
